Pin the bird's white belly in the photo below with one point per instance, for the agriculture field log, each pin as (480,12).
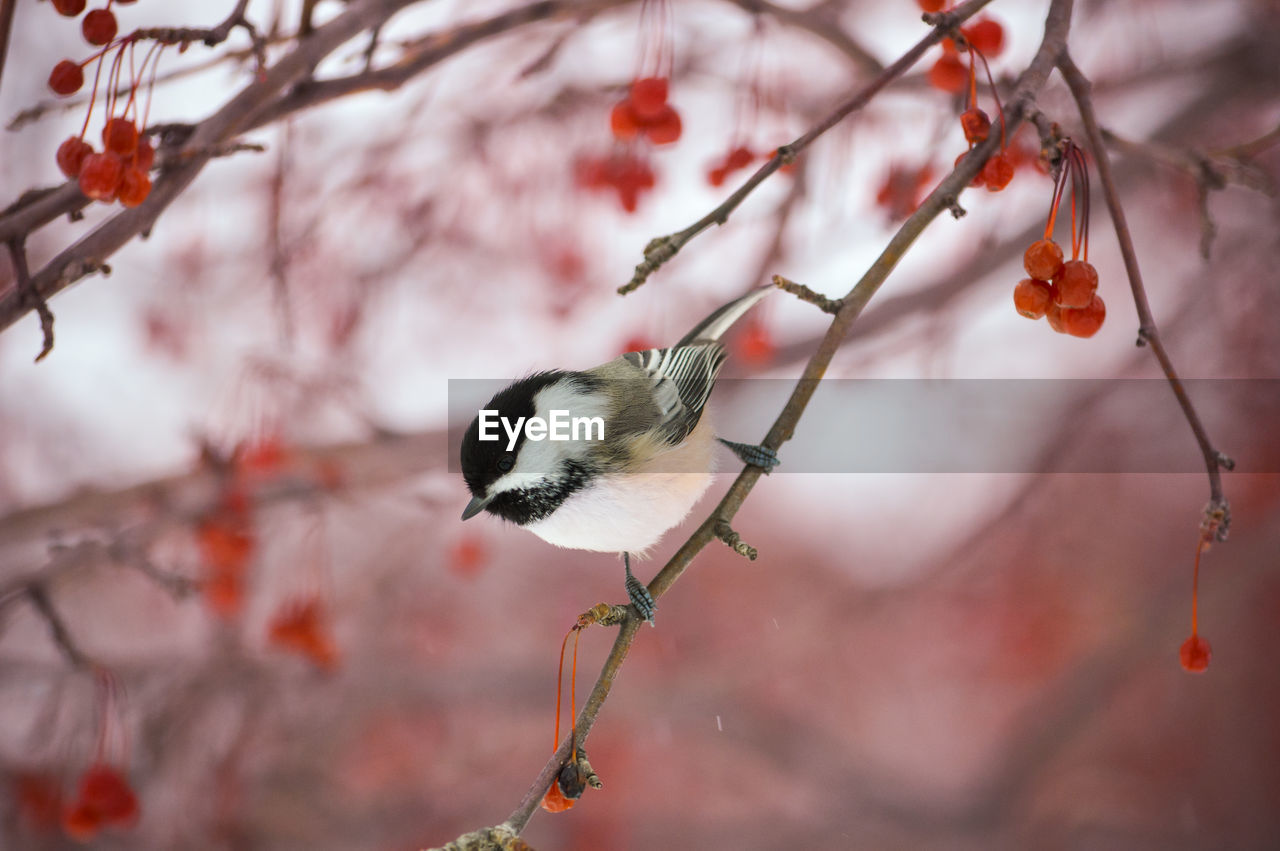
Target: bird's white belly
(625,513)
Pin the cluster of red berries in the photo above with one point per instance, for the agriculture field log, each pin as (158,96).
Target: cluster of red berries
(625,172)
(998,170)
(984,35)
(1065,292)
(104,798)
(644,112)
(120,171)
(736,159)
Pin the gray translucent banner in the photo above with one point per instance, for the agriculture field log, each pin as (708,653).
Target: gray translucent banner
(970,425)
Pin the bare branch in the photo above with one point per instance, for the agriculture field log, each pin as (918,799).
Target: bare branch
(1148,333)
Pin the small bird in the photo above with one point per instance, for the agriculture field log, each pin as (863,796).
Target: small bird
(641,459)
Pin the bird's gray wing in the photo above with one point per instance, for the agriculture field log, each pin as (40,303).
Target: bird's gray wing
(681,378)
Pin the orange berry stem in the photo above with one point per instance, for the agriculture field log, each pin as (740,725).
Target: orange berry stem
(1195,586)
(991,81)
(93,96)
(559,684)
(151,84)
(573,694)
(1058,188)
(973,81)
(113,80)
(133,82)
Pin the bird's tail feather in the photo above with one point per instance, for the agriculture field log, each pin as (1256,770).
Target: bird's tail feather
(714,326)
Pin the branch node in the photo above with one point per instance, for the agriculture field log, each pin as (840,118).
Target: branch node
(1225,461)
(802,292)
(31,295)
(734,541)
(952,204)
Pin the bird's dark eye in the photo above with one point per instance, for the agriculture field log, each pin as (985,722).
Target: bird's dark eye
(506,462)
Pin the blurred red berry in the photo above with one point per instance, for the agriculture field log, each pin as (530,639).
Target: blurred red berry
(145,155)
(949,74)
(70,8)
(997,173)
(1084,321)
(468,556)
(716,176)
(71,155)
(39,799)
(1076,283)
(100,175)
(99,26)
(986,36)
(624,122)
(932,5)
(1194,654)
(1043,259)
(976,125)
(739,157)
(665,128)
(1031,298)
(649,96)
(302,627)
(107,792)
(755,345)
(120,136)
(66,78)
(81,822)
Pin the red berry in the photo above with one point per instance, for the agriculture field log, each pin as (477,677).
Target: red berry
(1194,654)
(649,96)
(135,186)
(949,74)
(81,822)
(1032,298)
(70,8)
(932,5)
(99,26)
(665,128)
(66,78)
(71,154)
(739,157)
(1043,259)
(976,125)
(106,791)
(1053,313)
(1084,321)
(986,36)
(100,175)
(1076,283)
(997,172)
(716,176)
(624,122)
(120,136)
(145,156)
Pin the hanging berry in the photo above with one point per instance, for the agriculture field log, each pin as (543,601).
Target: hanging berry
(1075,308)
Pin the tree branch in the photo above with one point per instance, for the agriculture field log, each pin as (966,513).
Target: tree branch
(1148,333)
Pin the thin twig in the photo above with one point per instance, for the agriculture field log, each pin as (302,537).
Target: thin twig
(39,596)
(22,277)
(7,8)
(663,248)
(804,293)
(1148,333)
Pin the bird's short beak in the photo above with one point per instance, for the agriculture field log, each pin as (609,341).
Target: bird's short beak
(475,506)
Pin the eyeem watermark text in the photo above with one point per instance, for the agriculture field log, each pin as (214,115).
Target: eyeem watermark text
(559,426)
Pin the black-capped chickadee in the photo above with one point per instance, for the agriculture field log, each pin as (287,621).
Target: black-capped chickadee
(610,458)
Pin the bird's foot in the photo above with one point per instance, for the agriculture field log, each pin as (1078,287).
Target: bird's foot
(757,456)
(639,594)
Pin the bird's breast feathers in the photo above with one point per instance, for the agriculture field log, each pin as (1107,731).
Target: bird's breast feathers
(629,512)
